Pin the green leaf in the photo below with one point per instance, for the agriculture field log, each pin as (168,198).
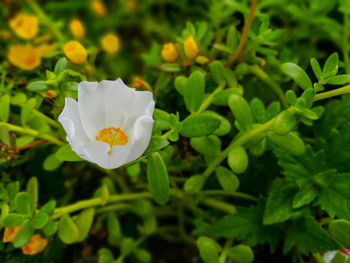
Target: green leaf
(83,222)
(4,135)
(247,225)
(194,92)
(142,255)
(24,203)
(65,153)
(200,125)
(208,249)
(340,230)
(158,181)
(221,98)
(279,206)
(32,189)
(68,232)
(285,122)
(49,207)
(40,220)
(291,97)
(37,86)
(330,68)
(51,162)
(24,235)
(258,110)
(297,74)
(241,254)
(50,228)
(170,67)
(27,110)
(4,108)
(237,159)
(308,236)
(194,184)
(13,220)
(241,110)
(156,144)
(180,84)
(127,246)
(225,125)
(113,226)
(162,117)
(217,70)
(60,65)
(339,80)
(306,195)
(316,68)
(227,179)
(105,256)
(290,143)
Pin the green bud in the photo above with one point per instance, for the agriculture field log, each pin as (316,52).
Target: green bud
(237,159)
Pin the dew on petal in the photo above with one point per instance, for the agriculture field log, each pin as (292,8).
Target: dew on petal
(112,136)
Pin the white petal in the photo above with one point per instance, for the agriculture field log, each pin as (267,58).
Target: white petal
(91,101)
(97,152)
(141,136)
(70,120)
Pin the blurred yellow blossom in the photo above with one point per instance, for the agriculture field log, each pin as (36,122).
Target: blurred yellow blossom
(98,8)
(10,233)
(75,52)
(190,47)
(202,60)
(35,245)
(45,48)
(25,57)
(110,43)
(77,28)
(25,26)
(169,52)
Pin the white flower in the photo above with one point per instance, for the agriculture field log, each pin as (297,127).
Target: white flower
(110,125)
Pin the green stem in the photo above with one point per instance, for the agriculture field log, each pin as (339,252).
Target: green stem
(259,73)
(233,194)
(231,209)
(223,256)
(32,132)
(109,208)
(332,93)
(206,103)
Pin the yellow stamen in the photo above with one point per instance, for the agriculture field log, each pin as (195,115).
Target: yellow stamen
(112,136)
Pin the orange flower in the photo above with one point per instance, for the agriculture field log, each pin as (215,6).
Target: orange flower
(35,245)
(110,43)
(25,57)
(25,26)
(51,93)
(98,8)
(10,233)
(190,47)
(141,83)
(77,28)
(75,52)
(169,52)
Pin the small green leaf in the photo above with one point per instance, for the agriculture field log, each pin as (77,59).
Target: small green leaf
(49,207)
(194,92)
(297,74)
(156,144)
(291,97)
(339,80)
(4,107)
(27,110)
(306,195)
(50,228)
(51,162)
(4,135)
(330,68)
(104,194)
(291,143)
(200,125)
(208,249)
(40,220)
(142,255)
(13,220)
(24,203)
(221,98)
(237,159)
(68,232)
(113,226)
(24,235)
(227,179)
(225,125)
(285,122)
(105,256)
(127,246)
(158,181)
(162,117)
(60,65)
(241,110)
(340,230)
(65,153)
(194,184)
(32,189)
(170,67)
(316,68)
(37,86)
(180,84)
(217,70)
(241,254)
(84,221)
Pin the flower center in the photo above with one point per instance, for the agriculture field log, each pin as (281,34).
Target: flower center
(112,136)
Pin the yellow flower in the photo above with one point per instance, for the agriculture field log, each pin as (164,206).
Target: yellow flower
(77,28)
(191,49)
(10,233)
(35,245)
(110,43)
(202,60)
(169,52)
(75,52)
(25,26)
(98,8)
(25,57)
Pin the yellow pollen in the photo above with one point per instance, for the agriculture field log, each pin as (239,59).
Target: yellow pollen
(112,136)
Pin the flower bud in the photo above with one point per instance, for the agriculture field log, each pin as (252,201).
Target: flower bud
(77,28)
(25,26)
(75,52)
(35,245)
(110,43)
(190,47)
(24,57)
(202,60)
(51,93)
(10,233)
(98,8)
(169,52)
